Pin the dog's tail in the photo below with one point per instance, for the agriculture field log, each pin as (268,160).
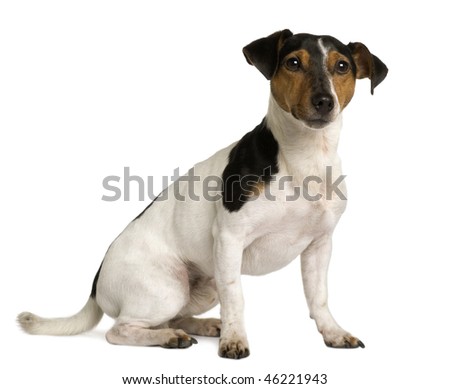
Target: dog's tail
(86,319)
(89,316)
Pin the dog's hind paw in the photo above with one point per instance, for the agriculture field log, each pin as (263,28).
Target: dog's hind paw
(180,340)
(209,327)
(195,326)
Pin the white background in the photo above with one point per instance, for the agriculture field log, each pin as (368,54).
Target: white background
(89,87)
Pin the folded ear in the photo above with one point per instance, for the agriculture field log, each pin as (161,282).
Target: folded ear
(263,53)
(367,64)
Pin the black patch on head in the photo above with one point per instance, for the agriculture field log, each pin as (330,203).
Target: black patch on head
(94,284)
(310,43)
(252,161)
(296,42)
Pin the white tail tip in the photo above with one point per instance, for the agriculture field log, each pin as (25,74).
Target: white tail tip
(83,321)
(29,322)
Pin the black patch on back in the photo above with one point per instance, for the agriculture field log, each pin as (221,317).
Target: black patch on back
(94,284)
(252,161)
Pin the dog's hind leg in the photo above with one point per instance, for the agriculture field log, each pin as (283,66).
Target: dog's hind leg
(197,326)
(137,334)
(143,295)
(203,297)
(144,314)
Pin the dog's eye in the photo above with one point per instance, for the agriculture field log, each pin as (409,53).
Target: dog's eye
(293,64)
(342,67)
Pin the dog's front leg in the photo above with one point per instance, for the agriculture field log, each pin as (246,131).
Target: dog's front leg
(314,261)
(228,251)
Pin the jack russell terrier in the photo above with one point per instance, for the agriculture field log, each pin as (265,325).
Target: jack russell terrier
(185,253)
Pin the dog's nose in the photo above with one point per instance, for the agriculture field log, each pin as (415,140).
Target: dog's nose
(322,102)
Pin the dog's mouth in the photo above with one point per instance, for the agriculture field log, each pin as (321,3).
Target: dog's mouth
(314,122)
(317,124)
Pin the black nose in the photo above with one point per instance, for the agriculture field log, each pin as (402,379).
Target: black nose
(322,102)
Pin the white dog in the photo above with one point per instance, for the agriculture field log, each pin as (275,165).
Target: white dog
(272,199)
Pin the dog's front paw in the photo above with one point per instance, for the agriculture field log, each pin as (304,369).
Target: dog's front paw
(338,338)
(234,348)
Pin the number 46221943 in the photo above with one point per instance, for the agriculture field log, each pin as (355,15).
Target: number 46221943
(299,379)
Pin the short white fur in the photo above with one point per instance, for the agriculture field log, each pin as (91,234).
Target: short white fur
(180,258)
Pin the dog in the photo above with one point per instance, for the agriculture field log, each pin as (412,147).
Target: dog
(184,254)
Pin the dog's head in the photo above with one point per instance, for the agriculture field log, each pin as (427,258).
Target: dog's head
(313,77)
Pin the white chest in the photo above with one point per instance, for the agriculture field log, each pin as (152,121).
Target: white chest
(284,226)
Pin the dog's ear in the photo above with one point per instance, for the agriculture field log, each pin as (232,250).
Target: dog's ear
(367,64)
(263,53)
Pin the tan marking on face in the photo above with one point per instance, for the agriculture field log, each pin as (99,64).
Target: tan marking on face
(344,84)
(292,89)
